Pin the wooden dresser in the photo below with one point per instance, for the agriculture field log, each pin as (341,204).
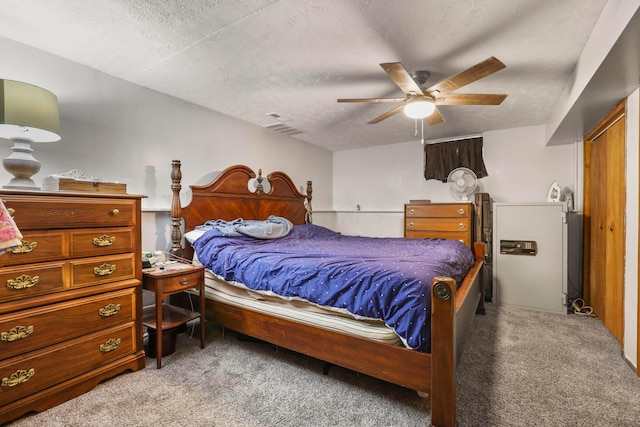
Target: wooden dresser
(439,220)
(70,297)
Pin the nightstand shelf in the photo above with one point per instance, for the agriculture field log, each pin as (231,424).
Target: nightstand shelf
(172,316)
(164,320)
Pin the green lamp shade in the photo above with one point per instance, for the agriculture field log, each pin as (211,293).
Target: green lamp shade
(28,112)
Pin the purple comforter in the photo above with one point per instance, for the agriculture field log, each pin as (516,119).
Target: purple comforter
(378,278)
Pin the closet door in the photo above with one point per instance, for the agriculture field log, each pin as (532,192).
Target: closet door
(604,220)
(598,191)
(614,229)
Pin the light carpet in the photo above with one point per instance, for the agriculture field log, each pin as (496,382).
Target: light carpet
(518,368)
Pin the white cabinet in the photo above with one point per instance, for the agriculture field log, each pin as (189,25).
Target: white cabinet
(530,255)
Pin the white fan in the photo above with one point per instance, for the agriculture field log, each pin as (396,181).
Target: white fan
(462,183)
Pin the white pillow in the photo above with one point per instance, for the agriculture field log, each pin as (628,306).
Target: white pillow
(193,235)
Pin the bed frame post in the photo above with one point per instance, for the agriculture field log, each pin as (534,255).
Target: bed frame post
(308,217)
(176,214)
(478,252)
(443,353)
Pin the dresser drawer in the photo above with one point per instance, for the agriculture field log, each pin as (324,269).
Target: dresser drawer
(439,211)
(172,282)
(37,328)
(461,237)
(37,246)
(98,270)
(26,281)
(438,224)
(61,212)
(101,241)
(23,375)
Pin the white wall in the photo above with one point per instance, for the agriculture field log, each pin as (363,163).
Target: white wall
(521,168)
(118,131)
(381,179)
(630,346)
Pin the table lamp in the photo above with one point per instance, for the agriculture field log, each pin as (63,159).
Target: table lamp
(28,114)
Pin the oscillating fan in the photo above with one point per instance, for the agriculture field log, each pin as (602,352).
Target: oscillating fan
(462,183)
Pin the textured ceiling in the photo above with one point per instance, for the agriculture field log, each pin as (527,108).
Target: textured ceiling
(248,58)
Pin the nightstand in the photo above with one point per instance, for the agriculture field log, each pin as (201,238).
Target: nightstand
(165,320)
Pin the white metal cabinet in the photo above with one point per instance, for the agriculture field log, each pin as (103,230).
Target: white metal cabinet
(530,255)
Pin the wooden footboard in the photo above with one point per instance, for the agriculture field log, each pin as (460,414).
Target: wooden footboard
(453,308)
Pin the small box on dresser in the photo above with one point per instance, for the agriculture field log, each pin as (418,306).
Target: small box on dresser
(70,297)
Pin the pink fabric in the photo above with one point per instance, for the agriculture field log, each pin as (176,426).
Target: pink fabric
(10,236)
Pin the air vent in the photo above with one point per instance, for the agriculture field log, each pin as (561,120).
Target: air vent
(282,128)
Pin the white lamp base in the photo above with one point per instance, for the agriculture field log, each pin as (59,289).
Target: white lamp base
(22,165)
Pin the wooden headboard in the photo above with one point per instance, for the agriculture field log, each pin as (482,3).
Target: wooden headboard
(228,197)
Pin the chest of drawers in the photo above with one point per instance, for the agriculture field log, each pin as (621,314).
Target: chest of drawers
(70,297)
(439,220)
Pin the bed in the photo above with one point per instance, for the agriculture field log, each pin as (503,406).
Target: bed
(237,192)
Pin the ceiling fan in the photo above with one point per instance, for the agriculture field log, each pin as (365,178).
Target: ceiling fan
(421,103)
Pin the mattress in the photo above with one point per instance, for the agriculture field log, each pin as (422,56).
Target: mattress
(300,311)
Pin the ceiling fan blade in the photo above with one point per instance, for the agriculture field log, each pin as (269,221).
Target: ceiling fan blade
(470,99)
(386,115)
(372,100)
(402,78)
(470,75)
(434,118)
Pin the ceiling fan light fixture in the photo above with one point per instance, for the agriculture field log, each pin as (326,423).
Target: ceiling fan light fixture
(419,109)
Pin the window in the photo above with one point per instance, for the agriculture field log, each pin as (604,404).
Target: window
(443,157)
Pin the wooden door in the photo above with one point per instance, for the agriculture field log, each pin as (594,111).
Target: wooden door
(614,229)
(598,193)
(605,192)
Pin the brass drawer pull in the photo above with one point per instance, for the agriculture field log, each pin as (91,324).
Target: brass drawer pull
(411,225)
(461,211)
(103,240)
(114,212)
(461,225)
(109,310)
(110,345)
(17,333)
(184,281)
(104,270)
(18,377)
(25,248)
(411,211)
(11,212)
(23,282)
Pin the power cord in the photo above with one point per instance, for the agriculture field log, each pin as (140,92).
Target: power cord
(193,323)
(178,258)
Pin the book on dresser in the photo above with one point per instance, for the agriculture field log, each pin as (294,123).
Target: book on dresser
(70,184)
(71,297)
(77,180)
